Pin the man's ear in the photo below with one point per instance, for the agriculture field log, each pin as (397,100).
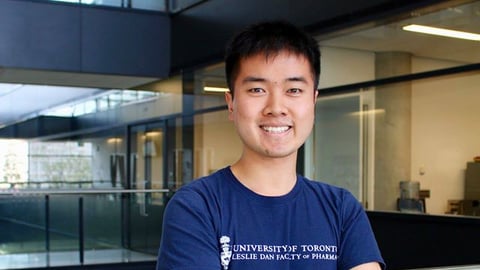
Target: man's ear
(229,100)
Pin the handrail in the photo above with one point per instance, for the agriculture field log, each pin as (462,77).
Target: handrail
(20,192)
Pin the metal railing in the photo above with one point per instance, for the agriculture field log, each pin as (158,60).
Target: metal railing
(96,219)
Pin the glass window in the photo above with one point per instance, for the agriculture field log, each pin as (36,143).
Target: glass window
(216,143)
(59,164)
(179,5)
(366,55)
(136,4)
(424,132)
(94,161)
(404,146)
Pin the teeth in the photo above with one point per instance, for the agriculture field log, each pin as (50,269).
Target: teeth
(275,129)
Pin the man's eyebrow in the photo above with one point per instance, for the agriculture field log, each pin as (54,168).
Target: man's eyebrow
(253,79)
(296,79)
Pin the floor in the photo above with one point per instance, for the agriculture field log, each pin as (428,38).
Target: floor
(42,259)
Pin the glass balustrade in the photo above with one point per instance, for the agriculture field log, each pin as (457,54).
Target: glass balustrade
(79,227)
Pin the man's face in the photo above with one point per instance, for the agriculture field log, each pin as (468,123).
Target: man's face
(273,106)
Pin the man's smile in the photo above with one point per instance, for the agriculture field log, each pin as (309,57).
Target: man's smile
(276,129)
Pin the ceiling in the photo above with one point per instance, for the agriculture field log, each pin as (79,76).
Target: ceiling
(15,106)
(20,101)
(43,90)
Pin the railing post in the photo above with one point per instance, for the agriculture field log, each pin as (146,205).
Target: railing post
(47,223)
(47,228)
(80,230)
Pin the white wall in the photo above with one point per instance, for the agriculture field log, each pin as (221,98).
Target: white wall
(344,66)
(445,132)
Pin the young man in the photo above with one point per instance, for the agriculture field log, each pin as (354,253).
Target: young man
(258,213)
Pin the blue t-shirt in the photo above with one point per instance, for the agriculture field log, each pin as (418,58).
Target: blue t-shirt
(217,223)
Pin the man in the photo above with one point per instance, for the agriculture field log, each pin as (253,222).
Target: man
(258,213)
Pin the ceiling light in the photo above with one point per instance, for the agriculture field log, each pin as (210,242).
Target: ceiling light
(153,133)
(368,112)
(215,89)
(114,140)
(441,32)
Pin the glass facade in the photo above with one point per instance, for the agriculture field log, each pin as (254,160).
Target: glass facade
(395,96)
(171,6)
(395,109)
(386,111)
(136,4)
(61,229)
(368,53)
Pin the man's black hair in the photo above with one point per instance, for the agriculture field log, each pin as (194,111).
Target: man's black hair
(270,38)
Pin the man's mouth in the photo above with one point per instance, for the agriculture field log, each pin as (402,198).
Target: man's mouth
(276,129)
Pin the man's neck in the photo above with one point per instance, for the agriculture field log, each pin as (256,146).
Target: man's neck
(271,177)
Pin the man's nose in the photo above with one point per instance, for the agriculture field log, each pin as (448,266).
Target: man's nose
(275,104)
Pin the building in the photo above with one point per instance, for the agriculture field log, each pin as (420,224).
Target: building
(395,106)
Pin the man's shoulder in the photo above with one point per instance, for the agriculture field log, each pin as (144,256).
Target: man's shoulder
(204,188)
(209,181)
(325,190)
(316,184)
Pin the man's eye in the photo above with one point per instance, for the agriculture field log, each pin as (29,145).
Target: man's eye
(256,90)
(295,90)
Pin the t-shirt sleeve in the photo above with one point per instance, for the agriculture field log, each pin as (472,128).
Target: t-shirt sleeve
(358,243)
(188,238)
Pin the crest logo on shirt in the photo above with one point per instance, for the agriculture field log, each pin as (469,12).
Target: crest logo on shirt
(226,253)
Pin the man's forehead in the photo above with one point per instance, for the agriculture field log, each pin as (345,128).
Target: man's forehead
(247,66)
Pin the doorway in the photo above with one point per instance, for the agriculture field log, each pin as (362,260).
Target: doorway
(147,175)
